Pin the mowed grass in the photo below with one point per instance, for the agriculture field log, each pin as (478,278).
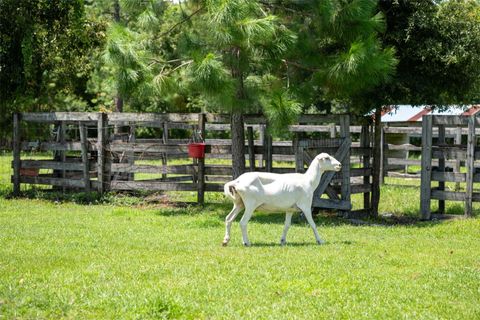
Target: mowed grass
(72,261)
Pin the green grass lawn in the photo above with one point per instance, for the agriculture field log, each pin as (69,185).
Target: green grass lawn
(59,259)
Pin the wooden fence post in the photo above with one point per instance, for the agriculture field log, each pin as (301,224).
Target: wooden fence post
(458,141)
(16,153)
(261,137)
(165,141)
(425,188)
(383,156)
(201,163)
(101,149)
(377,161)
(85,160)
(441,168)
(333,130)
(63,153)
(269,153)
(471,141)
(131,155)
(365,143)
(267,149)
(345,133)
(299,155)
(251,148)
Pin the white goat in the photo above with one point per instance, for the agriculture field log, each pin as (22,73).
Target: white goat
(290,192)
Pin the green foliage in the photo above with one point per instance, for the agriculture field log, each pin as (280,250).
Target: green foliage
(45,56)
(338,55)
(438,47)
(281,110)
(225,55)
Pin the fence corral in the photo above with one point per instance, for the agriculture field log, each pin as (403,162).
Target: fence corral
(104,151)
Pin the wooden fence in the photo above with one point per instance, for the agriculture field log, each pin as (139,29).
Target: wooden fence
(437,154)
(398,153)
(106,151)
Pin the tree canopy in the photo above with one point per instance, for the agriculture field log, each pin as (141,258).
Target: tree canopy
(276,57)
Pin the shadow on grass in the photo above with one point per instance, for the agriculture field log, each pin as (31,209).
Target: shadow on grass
(302,244)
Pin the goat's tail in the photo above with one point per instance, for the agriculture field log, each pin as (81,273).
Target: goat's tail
(229,190)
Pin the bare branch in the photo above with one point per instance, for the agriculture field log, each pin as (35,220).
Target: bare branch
(180,22)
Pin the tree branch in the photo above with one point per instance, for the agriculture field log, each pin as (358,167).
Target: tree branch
(180,22)
(299,66)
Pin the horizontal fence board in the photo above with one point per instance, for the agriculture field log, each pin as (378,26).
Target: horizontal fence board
(414,162)
(227,126)
(145,168)
(167,179)
(59,182)
(447,195)
(56,165)
(404,147)
(400,161)
(332,204)
(147,147)
(449,176)
(218,178)
(214,187)
(449,152)
(360,188)
(152,186)
(417,132)
(320,143)
(403,175)
(453,196)
(130,117)
(451,120)
(409,124)
(403,130)
(218,170)
(59,116)
(53,146)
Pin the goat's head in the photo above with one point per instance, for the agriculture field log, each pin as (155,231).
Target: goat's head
(328,163)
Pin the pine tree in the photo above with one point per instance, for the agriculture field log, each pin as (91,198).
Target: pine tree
(234,46)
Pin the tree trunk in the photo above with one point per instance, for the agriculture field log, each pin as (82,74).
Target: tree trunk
(118,103)
(238,143)
(116,11)
(118,98)
(377,161)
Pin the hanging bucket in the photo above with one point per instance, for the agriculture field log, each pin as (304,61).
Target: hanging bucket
(196,150)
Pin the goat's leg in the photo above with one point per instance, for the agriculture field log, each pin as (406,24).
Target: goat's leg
(307,211)
(288,222)
(228,221)
(243,224)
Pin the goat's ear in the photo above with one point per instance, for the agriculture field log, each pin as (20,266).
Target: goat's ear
(322,156)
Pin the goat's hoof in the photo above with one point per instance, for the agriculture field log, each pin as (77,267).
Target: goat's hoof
(320,242)
(283,242)
(247,244)
(224,243)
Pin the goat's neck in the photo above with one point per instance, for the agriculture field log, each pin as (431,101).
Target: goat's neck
(313,175)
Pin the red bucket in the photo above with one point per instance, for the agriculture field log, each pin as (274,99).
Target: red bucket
(196,150)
